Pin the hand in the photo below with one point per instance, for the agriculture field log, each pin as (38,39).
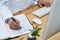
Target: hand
(13,25)
(43,3)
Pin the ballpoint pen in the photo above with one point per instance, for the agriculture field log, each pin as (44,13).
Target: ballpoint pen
(14,20)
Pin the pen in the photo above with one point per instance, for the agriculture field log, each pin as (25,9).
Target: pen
(14,20)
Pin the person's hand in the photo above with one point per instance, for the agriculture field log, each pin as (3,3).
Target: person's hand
(13,25)
(43,3)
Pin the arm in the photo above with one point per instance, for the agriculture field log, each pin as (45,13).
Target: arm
(6,14)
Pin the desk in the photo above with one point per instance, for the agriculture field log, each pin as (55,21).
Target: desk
(30,16)
(55,37)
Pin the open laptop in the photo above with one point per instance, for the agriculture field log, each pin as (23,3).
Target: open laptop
(53,24)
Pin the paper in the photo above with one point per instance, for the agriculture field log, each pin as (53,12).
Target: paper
(6,32)
(24,23)
(42,11)
(3,30)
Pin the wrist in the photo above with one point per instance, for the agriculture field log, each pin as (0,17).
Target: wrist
(7,20)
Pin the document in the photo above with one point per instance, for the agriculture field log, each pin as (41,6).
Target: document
(24,23)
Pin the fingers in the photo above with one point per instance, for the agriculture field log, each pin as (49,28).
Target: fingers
(44,3)
(39,4)
(18,22)
(13,25)
(48,4)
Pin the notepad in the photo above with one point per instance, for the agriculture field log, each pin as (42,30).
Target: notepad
(8,33)
(42,11)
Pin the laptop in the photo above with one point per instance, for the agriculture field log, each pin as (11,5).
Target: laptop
(53,24)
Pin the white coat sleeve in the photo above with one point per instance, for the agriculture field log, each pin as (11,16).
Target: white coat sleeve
(5,12)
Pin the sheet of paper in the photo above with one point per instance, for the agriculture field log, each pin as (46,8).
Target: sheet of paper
(42,11)
(24,23)
(3,30)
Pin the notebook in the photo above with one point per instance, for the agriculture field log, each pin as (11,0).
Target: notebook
(42,11)
(6,32)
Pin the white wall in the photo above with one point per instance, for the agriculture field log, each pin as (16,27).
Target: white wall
(53,24)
